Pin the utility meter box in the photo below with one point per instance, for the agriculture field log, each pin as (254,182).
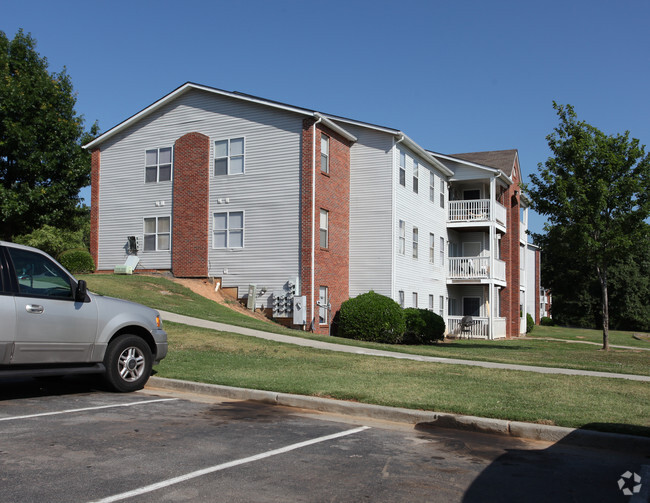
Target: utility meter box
(252,296)
(300,310)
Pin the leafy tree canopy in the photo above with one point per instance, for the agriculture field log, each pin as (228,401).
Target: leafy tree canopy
(42,164)
(595,192)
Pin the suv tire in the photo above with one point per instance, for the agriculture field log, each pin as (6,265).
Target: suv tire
(128,362)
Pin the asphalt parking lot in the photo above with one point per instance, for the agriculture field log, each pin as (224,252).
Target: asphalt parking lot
(69,441)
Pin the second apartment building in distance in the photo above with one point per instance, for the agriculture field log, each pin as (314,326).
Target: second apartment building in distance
(248,191)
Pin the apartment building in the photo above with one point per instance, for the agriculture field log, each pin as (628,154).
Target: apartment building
(311,206)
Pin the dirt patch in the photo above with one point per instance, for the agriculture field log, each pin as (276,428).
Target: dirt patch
(206,288)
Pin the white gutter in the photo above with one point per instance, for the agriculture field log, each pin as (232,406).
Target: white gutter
(313,216)
(393,273)
(424,154)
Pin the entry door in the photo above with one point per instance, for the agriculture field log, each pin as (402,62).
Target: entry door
(50,326)
(471,306)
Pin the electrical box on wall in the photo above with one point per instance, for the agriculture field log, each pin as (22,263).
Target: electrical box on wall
(252,295)
(300,310)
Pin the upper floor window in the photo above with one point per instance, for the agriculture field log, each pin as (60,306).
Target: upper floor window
(442,252)
(415,242)
(229,156)
(432,242)
(324,153)
(402,168)
(416,174)
(157,234)
(228,229)
(432,187)
(324,228)
(158,165)
(442,193)
(402,237)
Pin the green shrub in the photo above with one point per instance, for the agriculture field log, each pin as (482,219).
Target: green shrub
(546,321)
(77,261)
(530,323)
(372,317)
(52,240)
(423,326)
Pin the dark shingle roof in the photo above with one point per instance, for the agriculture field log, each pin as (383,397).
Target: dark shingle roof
(499,159)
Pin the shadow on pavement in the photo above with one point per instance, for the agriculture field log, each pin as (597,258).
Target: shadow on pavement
(26,387)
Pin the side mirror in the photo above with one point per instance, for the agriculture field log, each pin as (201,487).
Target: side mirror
(80,293)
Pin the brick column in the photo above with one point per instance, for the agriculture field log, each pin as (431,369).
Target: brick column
(190,213)
(510,253)
(94,206)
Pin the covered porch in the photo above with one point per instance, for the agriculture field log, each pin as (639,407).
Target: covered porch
(473,312)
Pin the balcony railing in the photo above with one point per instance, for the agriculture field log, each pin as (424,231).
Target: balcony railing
(475,210)
(476,268)
(478,328)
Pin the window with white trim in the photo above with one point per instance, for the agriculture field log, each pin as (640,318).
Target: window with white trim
(442,252)
(441,306)
(324,153)
(323,300)
(402,168)
(442,193)
(158,165)
(324,228)
(415,242)
(401,298)
(228,229)
(229,156)
(430,302)
(157,234)
(432,187)
(415,299)
(416,174)
(402,237)
(432,250)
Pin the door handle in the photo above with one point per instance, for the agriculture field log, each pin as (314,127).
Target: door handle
(34,309)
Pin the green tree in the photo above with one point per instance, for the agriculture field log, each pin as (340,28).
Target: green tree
(596,188)
(42,164)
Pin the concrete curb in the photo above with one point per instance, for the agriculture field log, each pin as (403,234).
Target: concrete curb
(418,418)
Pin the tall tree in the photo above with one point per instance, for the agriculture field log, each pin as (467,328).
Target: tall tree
(42,164)
(596,189)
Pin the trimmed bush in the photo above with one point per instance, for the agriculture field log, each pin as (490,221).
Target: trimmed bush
(372,317)
(77,261)
(51,240)
(546,321)
(530,323)
(423,326)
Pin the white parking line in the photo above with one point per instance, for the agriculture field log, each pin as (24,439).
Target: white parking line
(71,411)
(224,466)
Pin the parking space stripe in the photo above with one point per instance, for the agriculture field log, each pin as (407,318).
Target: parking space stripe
(85,409)
(224,466)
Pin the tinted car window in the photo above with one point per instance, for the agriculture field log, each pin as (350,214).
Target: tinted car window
(38,276)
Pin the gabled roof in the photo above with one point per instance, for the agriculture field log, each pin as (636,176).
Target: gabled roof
(504,160)
(331,121)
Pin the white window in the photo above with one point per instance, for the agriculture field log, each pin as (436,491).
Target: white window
(229,156)
(416,174)
(441,306)
(430,302)
(401,298)
(415,242)
(402,168)
(324,228)
(228,229)
(324,153)
(323,301)
(158,165)
(442,252)
(442,193)
(432,187)
(415,299)
(157,234)
(432,251)
(402,237)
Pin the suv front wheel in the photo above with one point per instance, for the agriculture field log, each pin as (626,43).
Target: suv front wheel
(128,363)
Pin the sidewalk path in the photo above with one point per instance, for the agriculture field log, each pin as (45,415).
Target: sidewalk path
(330,346)
(615,346)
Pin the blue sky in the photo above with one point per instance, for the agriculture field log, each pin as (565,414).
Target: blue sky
(458,76)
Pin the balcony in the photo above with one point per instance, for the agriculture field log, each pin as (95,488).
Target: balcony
(479,328)
(476,268)
(476,211)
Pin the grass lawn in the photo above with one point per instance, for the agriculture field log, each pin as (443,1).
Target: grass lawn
(616,337)
(574,401)
(161,293)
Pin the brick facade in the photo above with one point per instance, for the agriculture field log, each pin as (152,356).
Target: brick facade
(190,214)
(94,205)
(331,264)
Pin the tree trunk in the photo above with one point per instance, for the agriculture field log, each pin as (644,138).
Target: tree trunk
(602,275)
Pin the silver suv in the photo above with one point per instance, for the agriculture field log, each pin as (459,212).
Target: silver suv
(51,325)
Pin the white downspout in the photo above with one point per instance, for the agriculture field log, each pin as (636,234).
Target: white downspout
(394,214)
(313,218)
